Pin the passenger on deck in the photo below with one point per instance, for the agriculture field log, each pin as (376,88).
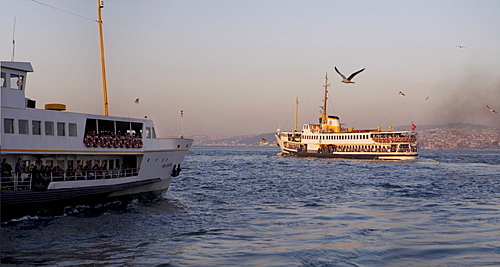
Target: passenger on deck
(19,167)
(6,168)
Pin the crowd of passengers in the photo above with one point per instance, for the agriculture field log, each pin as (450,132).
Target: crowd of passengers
(42,175)
(112,134)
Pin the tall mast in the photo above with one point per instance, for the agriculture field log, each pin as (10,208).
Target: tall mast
(323,113)
(296,114)
(100,5)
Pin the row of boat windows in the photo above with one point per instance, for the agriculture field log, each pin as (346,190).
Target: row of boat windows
(51,128)
(337,137)
(23,127)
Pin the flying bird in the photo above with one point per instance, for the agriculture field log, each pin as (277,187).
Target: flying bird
(427,98)
(460,46)
(401,93)
(492,110)
(348,80)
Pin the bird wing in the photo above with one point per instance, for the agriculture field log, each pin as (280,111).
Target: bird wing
(354,74)
(342,75)
(492,110)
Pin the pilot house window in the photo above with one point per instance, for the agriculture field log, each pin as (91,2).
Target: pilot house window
(16,81)
(3,79)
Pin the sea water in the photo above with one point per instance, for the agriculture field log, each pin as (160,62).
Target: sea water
(248,206)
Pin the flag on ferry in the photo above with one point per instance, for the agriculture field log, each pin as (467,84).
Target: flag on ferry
(413,126)
(136,101)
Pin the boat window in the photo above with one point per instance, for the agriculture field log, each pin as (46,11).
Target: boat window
(91,126)
(49,128)
(60,129)
(36,127)
(148,132)
(72,129)
(16,81)
(3,79)
(8,125)
(153,133)
(105,127)
(23,127)
(137,128)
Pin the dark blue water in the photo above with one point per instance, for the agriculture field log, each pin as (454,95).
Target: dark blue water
(246,206)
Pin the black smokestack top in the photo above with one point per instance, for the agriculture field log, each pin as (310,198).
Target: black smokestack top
(464,98)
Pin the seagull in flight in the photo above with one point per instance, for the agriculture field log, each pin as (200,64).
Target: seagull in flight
(401,93)
(348,80)
(427,98)
(460,46)
(492,110)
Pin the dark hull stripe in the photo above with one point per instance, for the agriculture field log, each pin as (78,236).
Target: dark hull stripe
(30,197)
(16,204)
(350,156)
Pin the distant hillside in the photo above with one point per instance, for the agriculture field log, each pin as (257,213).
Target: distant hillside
(447,126)
(244,140)
(464,135)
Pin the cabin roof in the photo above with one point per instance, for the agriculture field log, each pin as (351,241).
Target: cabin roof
(16,65)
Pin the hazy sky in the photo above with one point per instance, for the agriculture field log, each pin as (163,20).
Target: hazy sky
(236,67)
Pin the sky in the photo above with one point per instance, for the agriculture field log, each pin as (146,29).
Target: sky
(236,67)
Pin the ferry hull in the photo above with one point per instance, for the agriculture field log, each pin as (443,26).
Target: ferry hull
(29,202)
(367,156)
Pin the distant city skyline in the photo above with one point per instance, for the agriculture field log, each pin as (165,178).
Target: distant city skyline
(236,67)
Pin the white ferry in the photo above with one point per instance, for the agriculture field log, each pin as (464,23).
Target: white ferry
(52,157)
(330,139)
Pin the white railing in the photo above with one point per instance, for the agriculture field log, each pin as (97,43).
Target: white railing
(24,181)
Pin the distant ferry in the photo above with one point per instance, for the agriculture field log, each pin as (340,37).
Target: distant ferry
(329,139)
(51,157)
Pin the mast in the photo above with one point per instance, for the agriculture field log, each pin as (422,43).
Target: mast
(296,114)
(100,5)
(323,113)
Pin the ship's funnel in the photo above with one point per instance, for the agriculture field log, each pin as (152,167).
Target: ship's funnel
(333,123)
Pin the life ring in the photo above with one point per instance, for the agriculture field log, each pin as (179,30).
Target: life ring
(139,143)
(88,141)
(97,141)
(102,139)
(134,142)
(128,142)
(108,141)
(114,142)
(122,141)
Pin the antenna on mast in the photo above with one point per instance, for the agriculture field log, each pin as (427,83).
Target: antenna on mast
(13,41)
